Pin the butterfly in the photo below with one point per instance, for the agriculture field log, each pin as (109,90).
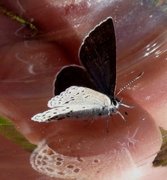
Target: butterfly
(88,90)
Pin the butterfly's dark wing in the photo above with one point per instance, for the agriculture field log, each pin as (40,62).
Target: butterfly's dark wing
(72,76)
(98,56)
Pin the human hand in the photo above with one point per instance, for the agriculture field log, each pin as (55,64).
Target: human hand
(27,86)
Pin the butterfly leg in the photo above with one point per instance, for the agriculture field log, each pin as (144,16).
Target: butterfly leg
(89,122)
(121,115)
(107,125)
(127,106)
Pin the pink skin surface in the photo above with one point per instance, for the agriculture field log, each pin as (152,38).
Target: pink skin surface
(29,67)
(18,159)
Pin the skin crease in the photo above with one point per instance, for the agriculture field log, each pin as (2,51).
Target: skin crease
(39,59)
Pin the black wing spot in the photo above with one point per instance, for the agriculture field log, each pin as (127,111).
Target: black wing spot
(66,102)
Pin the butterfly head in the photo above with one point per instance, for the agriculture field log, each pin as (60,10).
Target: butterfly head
(115,103)
(114,107)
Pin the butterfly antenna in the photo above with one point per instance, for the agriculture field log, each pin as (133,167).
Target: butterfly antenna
(127,85)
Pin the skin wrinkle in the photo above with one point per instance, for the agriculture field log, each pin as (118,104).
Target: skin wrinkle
(129,140)
(30,66)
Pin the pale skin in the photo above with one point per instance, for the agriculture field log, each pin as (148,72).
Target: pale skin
(29,66)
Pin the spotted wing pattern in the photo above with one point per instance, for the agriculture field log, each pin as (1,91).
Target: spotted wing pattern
(75,102)
(75,95)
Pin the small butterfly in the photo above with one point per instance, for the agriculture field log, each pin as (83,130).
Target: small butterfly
(87,91)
